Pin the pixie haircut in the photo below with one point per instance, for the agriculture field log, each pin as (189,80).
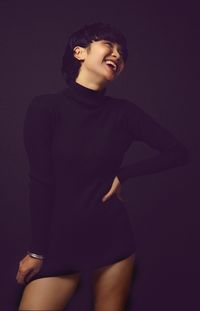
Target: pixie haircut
(84,37)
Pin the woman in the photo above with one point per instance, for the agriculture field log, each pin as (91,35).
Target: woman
(75,141)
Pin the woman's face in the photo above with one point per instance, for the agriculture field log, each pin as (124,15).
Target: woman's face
(95,60)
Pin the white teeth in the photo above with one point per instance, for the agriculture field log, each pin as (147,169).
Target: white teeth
(112,63)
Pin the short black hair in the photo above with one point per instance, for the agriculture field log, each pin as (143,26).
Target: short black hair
(84,37)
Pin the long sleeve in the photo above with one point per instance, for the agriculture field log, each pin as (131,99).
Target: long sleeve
(37,133)
(140,126)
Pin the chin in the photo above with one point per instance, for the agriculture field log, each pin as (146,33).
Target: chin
(110,77)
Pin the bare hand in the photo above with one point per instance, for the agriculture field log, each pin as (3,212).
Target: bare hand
(28,267)
(116,187)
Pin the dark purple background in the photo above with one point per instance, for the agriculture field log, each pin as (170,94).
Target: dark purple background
(161,75)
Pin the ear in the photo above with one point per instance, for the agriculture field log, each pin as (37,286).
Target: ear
(79,52)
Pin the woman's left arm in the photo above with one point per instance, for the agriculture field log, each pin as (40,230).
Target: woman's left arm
(142,127)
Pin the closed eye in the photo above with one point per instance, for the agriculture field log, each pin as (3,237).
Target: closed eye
(110,44)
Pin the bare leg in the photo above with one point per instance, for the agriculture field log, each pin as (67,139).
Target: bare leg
(111,285)
(49,293)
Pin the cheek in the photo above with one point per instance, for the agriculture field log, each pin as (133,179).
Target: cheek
(98,58)
(102,52)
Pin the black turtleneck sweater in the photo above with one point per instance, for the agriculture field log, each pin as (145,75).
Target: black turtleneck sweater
(75,141)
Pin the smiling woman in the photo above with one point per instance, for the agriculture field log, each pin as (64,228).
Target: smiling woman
(76,140)
(104,35)
(94,60)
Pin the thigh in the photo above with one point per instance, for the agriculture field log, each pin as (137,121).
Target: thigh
(49,293)
(111,285)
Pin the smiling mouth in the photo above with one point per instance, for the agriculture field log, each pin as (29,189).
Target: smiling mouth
(111,67)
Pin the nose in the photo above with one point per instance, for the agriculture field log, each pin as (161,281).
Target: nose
(116,54)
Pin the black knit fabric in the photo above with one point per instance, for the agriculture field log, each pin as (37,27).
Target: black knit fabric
(75,141)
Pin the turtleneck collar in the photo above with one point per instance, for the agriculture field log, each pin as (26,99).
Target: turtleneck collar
(85,95)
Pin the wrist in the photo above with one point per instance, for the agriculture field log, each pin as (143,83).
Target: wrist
(35,256)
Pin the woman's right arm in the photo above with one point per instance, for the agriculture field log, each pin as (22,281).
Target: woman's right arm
(37,134)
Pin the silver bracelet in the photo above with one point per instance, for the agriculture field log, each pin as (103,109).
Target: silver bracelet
(36,256)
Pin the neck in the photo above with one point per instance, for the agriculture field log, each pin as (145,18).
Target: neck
(86,96)
(91,84)
(86,90)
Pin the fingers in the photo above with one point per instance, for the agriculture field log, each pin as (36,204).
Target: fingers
(24,277)
(106,197)
(23,271)
(28,267)
(115,188)
(30,276)
(21,276)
